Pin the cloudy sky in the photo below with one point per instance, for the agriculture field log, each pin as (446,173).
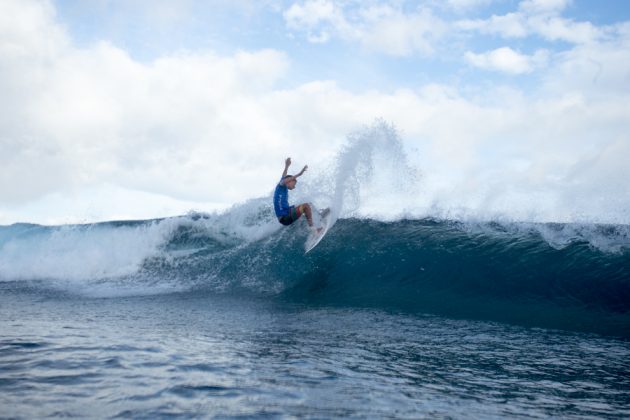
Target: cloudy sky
(124,109)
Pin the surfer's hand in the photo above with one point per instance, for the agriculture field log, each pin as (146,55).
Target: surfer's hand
(287,162)
(303,169)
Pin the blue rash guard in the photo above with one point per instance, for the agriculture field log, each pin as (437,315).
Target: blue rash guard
(281,200)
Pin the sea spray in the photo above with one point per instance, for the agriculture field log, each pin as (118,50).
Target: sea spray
(371,167)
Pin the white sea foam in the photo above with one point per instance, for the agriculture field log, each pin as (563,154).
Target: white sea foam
(78,252)
(82,257)
(606,238)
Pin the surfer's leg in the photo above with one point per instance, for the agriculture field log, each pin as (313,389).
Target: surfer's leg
(305,209)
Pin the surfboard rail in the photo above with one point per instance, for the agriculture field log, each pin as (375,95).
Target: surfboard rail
(315,237)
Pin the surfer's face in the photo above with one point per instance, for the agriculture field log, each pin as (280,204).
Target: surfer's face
(291,184)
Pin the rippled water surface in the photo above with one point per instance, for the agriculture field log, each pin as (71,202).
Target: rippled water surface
(207,355)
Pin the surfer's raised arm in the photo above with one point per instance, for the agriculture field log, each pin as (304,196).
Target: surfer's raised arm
(287,163)
(302,171)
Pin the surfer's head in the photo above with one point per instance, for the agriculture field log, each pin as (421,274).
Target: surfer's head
(290,181)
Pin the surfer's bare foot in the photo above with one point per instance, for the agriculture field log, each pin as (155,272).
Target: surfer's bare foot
(319,230)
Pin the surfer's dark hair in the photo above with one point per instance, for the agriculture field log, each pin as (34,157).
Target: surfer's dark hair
(287,176)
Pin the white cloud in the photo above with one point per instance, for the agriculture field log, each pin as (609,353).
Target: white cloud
(81,127)
(558,29)
(544,6)
(600,69)
(392,32)
(466,5)
(536,17)
(72,117)
(383,28)
(510,25)
(312,13)
(317,17)
(507,60)
(406,29)
(25,30)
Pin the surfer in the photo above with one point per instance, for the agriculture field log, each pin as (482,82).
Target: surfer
(288,214)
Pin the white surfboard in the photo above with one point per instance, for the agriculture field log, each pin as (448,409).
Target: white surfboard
(314,237)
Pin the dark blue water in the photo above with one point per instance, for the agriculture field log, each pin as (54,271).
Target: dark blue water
(184,317)
(197,355)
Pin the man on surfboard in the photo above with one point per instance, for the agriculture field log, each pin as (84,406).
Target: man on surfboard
(288,214)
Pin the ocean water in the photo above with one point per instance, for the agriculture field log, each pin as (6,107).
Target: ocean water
(426,313)
(427,319)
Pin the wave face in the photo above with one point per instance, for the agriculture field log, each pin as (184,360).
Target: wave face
(549,275)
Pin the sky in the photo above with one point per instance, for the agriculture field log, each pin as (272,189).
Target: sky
(136,109)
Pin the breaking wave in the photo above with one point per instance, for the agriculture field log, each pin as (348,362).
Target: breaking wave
(560,275)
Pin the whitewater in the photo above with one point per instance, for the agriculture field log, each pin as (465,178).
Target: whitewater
(408,308)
